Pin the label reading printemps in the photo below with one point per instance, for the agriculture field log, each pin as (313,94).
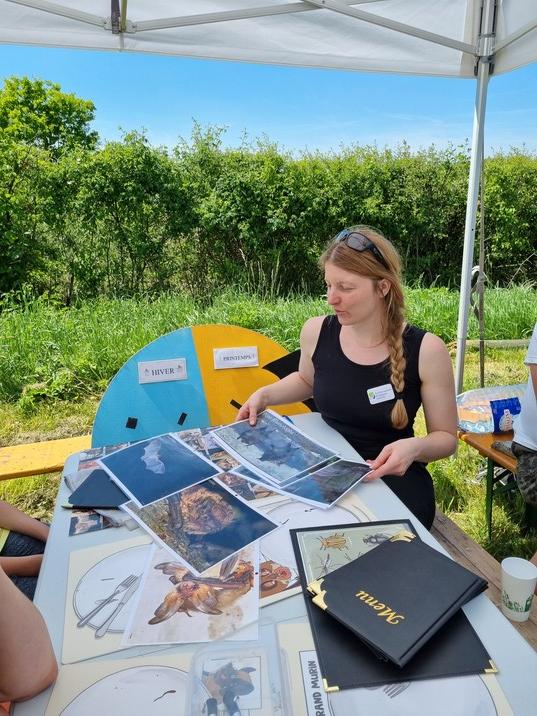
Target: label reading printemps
(162,371)
(380,394)
(316,696)
(243,357)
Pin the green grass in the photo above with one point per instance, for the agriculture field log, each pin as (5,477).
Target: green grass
(49,420)
(55,364)
(33,495)
(48,351)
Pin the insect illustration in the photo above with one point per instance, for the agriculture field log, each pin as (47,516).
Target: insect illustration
(335,541)
(376,538)
(324,566)
(209,595)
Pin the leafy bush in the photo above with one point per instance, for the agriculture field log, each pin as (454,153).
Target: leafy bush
(79,220)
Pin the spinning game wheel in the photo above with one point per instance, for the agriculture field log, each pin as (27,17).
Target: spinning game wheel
(203,395)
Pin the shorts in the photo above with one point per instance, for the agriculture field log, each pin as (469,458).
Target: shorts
(526,474)
(19,545)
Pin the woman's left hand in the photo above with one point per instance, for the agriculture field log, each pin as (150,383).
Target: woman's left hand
(394,459)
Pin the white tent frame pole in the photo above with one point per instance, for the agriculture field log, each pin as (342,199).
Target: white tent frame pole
(338,6)
(64,11)
(476,162)
(343,7)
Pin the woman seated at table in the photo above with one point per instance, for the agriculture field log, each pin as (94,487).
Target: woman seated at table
(27,662)
(369,371)
(22,543)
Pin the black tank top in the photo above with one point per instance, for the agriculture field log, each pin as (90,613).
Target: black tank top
(340,390)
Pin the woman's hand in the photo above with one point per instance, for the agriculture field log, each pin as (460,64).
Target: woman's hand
(255,404)
(394,459)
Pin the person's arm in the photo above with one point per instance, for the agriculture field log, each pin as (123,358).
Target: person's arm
(296,386)
(440,409)
(27,566)
(27,661)
(13,519)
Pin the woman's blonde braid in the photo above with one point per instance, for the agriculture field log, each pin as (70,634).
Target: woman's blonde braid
(399,415)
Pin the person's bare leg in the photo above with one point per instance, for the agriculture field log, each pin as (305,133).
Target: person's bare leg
(27,661)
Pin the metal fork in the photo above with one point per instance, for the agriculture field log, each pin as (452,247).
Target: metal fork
(393,690)
(121,587)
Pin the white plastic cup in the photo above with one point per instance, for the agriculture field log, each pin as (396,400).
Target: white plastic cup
(519,578)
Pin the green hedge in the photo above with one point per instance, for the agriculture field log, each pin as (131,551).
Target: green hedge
(129,219)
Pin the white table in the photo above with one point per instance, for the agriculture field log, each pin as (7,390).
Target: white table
(515,658)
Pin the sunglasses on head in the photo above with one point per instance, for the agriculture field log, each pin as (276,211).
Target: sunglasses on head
(359,242)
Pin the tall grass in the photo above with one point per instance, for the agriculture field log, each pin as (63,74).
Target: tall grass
(509,313)
(48,351)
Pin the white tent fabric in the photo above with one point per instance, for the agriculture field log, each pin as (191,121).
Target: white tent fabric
(371,35)
(453,38)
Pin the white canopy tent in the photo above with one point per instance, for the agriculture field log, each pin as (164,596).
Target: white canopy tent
(450,38)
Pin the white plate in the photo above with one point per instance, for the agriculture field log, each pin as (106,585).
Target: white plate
(101,580)
(139,691)
(459,696)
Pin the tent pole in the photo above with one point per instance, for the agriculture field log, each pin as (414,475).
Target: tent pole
(483,74)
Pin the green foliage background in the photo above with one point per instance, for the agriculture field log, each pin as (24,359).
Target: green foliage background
(79,219)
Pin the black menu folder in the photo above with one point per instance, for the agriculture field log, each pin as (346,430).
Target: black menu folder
(396,596)
(347,662)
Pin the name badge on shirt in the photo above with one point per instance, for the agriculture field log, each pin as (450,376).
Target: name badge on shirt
(380,394)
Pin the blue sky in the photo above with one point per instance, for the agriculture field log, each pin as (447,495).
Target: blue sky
(297,108)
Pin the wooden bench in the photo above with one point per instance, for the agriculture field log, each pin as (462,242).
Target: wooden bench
(482,442)
(498,481)
(39,458)
(465,551)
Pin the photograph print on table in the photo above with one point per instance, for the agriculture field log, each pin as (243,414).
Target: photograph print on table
(203,524)
(83,521)
(327,485)
(238,478)
(245,486)
(320,488)
(152,469)
(273,447)
(175,606)
(89,458)
(193,438)
(238,678)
